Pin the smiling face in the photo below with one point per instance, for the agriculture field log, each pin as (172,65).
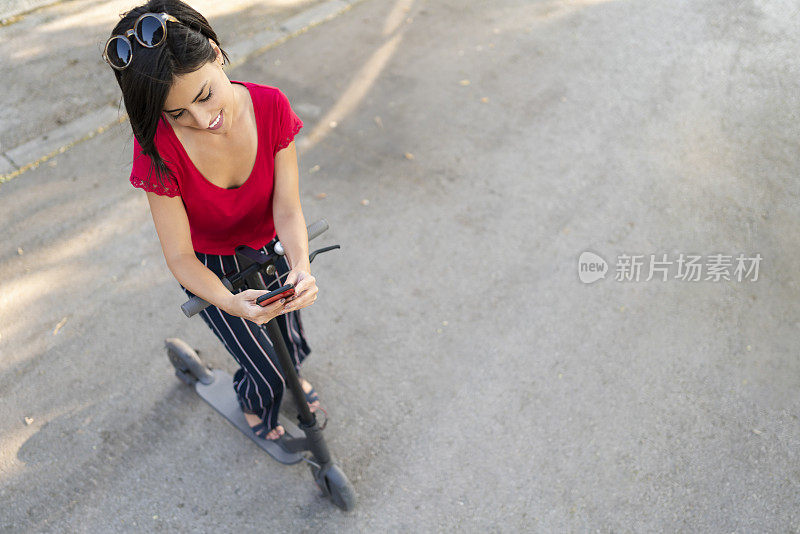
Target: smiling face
(202,99)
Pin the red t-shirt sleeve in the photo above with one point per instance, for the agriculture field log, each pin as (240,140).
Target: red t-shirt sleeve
(144,178)
(287,124)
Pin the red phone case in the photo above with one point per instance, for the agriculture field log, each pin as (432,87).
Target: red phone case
(288,293)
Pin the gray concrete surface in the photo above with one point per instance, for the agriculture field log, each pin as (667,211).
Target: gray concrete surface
(257,26)
(54,55)
(474,383)
(12,10)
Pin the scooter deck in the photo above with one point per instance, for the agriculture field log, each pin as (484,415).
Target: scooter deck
(221,396)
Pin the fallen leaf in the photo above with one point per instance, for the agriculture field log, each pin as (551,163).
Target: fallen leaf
(59,325)
(409,155)
(320,196)
(19,251)
(485,99)
(464,82)
(313,169)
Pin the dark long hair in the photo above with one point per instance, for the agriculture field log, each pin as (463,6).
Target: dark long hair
(145,83)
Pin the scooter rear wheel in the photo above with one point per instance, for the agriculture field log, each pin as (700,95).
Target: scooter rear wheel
(334,484)
(188,365)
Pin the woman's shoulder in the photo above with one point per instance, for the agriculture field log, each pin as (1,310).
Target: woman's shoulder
(163,142)
(142,169)
(264,93)
(161,139)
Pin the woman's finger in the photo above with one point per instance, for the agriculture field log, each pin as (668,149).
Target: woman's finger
(261,314)
(298,304)
(303,285)
(301,302)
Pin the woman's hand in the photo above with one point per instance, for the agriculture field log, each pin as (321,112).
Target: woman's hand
(243,304)
(305,288)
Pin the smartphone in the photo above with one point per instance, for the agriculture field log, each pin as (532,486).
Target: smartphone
(272,296)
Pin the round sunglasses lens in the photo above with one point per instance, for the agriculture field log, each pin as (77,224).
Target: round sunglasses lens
(150,31)
(119,51)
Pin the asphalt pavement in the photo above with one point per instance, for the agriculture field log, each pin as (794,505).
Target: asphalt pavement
(466,154)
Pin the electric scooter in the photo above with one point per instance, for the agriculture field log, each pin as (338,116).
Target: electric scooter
(215,386)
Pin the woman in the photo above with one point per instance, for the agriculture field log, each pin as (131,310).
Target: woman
(218,162)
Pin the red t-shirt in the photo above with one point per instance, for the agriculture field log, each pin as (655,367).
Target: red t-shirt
(221,219)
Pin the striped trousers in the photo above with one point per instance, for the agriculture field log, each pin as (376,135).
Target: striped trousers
(259,382)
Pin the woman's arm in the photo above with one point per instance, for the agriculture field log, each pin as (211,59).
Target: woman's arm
(172,227)
(286,210)
(290,226)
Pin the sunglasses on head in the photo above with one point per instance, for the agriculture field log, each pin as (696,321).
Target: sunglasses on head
(150,30)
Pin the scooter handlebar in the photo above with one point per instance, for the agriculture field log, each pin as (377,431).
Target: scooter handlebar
(196,304)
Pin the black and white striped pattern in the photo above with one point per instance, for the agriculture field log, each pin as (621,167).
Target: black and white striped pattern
(259,381)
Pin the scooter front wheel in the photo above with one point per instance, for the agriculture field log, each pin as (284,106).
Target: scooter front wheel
(334,484)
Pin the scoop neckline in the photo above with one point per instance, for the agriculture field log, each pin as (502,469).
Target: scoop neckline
(258,148)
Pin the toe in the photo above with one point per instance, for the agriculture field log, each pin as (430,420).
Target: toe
(275,433)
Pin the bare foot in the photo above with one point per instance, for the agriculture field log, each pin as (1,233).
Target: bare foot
(308,387)
(253,420)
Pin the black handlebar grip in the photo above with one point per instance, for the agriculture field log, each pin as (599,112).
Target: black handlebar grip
(195,304)
(316,228)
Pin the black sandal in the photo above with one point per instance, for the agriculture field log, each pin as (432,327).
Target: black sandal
(261,431)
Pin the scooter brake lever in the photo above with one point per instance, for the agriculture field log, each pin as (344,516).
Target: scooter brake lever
(320,251)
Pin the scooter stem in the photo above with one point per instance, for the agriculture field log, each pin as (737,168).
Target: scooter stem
(308,420)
